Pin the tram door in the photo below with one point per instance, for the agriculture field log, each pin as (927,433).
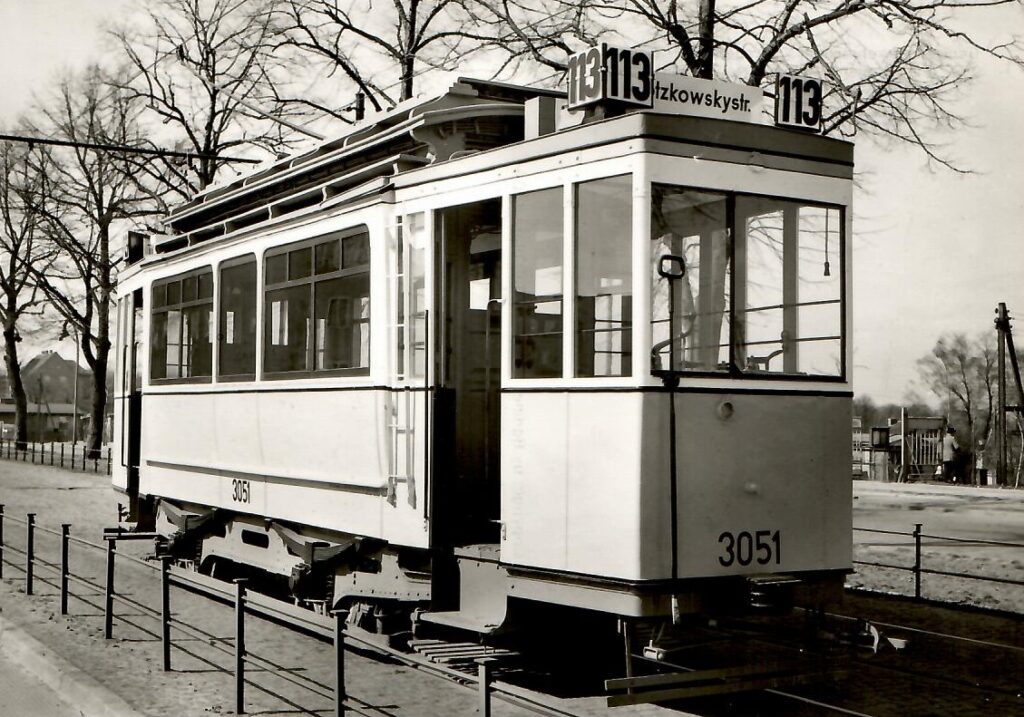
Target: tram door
(467,417)
(131,402)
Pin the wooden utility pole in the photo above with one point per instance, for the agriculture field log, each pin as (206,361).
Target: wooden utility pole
(1002,322)
(1005,332)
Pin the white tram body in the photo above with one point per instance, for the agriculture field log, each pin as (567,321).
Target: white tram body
(443,339)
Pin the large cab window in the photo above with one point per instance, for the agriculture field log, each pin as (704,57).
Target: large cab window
(756,288)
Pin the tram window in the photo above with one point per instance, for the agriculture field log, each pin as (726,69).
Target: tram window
(318,318)
(692,225)
(287,345)
(604,270)
(343,323)
(762,282)
(181,343)
(299,265)
(789,302)
(537,284)
(327,257)
(237,319)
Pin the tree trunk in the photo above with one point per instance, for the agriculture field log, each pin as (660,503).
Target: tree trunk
(97,409)
(706,48)
(17,386)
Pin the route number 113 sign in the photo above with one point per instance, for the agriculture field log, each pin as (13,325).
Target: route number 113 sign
(610,73)
(798,102)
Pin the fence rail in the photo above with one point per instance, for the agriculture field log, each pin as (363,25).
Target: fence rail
(65,455)
(330,629)
(917,569)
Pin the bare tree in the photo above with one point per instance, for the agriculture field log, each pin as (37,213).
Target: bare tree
(202,68)
(85,196)
(21,250)
(962,373)
(380,49)
(893,67)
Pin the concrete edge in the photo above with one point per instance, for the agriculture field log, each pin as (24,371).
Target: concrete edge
(74,687)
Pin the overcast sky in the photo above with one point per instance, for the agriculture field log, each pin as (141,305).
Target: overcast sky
(933,251)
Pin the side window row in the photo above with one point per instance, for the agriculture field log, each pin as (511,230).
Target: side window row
(316,314)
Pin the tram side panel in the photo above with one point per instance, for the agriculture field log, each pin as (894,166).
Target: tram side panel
(315,458)
(763,485)
(570,482)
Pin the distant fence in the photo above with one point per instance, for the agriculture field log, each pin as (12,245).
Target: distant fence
(65,455)
(918,570)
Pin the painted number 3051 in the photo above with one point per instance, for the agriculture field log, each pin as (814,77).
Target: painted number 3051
(240,490)
(763,546)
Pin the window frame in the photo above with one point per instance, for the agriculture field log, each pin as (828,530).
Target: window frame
(233,262)
(563,190)
(733,372)
(311,281)
(165,307)
(573,273)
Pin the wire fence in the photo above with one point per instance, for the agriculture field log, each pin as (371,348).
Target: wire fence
(918,570)
(330,628)
(75,456)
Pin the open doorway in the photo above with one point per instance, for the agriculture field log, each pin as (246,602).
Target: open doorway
(468,429)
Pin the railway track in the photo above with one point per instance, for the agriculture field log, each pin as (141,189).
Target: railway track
(940,670)
(934,672)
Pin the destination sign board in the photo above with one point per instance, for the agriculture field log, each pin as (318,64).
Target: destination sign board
(684,95)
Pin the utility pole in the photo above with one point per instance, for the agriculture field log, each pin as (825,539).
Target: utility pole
(1005,333)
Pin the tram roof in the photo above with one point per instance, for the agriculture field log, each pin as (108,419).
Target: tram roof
(411,143)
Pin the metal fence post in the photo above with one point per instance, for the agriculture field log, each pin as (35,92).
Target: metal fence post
(1,540)
(484,684)
(165,610)
(240,646)
(30,547)
(51,454)
(108,594)
(65,531)
(61,455)
(917,560)
(339,666)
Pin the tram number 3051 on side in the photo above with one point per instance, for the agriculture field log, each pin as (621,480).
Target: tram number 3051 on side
(240,492)
(764,546)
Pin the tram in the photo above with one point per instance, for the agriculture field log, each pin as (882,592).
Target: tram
(485,350)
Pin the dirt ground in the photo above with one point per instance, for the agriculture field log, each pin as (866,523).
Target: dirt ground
(129,665)
(989,514)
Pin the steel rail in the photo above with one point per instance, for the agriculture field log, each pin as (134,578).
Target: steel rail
(773,691)
(932,633)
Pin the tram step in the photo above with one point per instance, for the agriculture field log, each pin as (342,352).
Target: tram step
(457,652)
